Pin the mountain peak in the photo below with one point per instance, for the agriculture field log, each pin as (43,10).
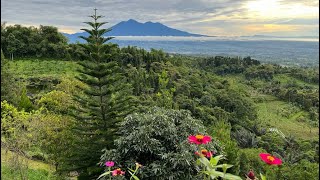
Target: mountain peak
(132,27)
(135,28)
(131,21)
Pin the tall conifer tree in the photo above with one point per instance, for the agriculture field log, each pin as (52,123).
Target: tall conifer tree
(104,102)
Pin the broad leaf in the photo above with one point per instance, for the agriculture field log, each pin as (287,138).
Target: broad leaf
(214,161)
(263,177)
(104,174)
(231,177)
(205,161)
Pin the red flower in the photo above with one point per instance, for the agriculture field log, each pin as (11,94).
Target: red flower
(205,153)
(251,175)
(199,139)
(271,160)
(117,172)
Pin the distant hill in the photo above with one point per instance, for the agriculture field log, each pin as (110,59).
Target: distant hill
(135,28)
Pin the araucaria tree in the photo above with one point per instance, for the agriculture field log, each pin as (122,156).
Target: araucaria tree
(103,102)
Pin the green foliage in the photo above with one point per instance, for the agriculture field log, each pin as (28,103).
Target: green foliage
(265,72)
(25,102)
(158,140)
(12,124)
(244,137)
(9,87)
(45,41)
(211,166)
(52,134)
(56,101)
(272,142)
(15,166)
(2,57)
(249,159)
(105,100)
(222,132)
(303,170)
(8,173)
(164,97)
(42,68)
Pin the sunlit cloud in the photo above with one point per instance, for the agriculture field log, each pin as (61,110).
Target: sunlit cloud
(275,9)
(211,17)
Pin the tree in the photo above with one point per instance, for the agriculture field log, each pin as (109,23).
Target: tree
(106,100)
(165,95)
(25,102)
(13,44)
(9,88)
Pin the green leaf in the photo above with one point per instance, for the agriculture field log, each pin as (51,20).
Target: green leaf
(214,161)
(131,169)
(263,177)
(134,176)
(205,161)
(104,174)
(213,173)
(231,177)
(224,167)
(198,162)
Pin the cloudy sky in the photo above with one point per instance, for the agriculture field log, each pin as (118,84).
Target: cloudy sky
(211,17)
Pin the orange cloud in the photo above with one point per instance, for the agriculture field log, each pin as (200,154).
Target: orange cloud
(271,28)
(67,30)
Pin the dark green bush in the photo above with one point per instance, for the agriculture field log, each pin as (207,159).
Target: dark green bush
(158,140)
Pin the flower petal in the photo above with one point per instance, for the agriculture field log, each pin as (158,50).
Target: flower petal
(277,161)
(193,139)
(206,139)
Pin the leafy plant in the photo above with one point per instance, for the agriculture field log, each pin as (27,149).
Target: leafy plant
(157,139)
(211,166)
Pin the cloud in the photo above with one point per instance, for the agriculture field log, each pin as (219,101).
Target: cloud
(213,17)
(311,3)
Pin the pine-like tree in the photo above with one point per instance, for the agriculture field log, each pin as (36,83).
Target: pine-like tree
(105,101)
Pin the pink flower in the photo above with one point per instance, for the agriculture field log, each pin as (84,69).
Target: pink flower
(199,139)
(271,160)
(109,163)
(117,172)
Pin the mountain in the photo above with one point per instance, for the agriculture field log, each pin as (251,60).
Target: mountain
(135,28)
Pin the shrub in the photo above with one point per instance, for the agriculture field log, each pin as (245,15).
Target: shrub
(158,141)
(25,102)
(222,131)
(249,159)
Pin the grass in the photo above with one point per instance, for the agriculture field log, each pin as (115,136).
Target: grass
(276,113)
(285,79)
(14,166)
(271,112)
(28,68)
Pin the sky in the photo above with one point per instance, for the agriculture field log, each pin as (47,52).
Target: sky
(209,17)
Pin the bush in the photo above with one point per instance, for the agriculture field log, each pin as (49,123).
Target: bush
(244,138)
(301,170)
(222,131)
(158,141)
(249,159)
(56,101)
(25,102)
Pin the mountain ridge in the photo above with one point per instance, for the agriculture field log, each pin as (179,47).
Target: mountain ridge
(132,27)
